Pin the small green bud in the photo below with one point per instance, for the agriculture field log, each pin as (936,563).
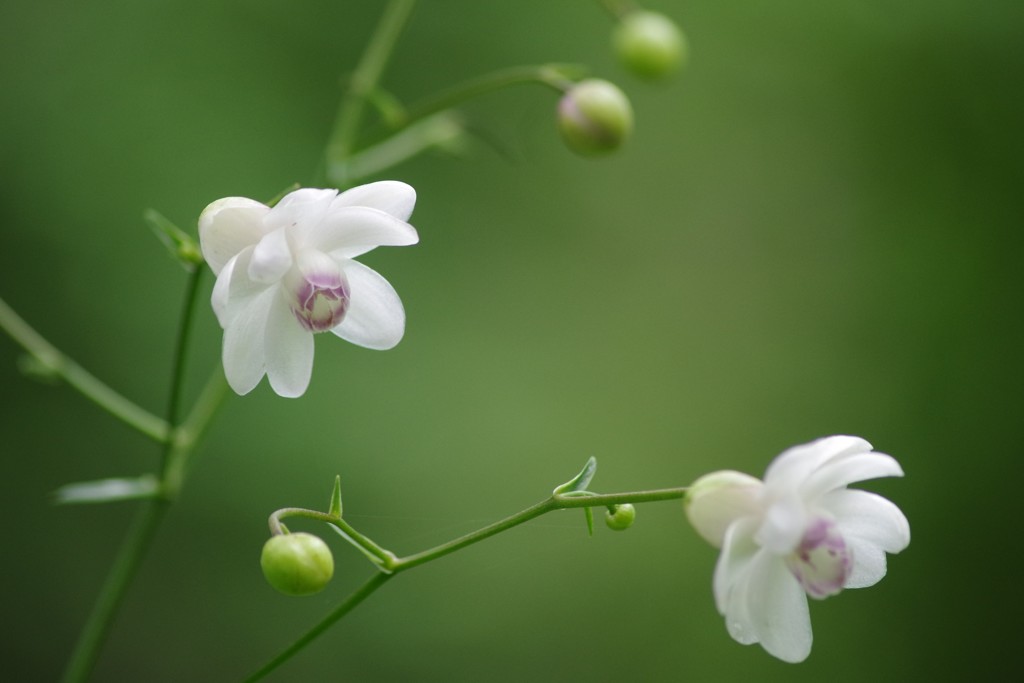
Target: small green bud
(622,518)
(297,564)
(649,44)
(595,117)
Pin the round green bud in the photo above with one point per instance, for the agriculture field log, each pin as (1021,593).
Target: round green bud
(649,44)
(595,117)
(297,564)
(622,518)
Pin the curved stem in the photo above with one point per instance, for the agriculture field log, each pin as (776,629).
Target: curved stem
(78,378)
(394,566)
(363,592)
(276,528)
(365,79)
(431,123)
(556,76)
(140,537)
(439,130)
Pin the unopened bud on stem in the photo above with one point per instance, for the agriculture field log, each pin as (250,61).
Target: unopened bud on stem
(649,44)
(297,564)
(595,117)
(620,517)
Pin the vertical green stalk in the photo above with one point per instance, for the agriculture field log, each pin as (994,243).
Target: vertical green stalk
(140,537)
(350,603)
(365,78)
(126,564)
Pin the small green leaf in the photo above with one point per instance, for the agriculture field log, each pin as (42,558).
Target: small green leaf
(335,509)
(108,490)
(581,481)
(181,245)
(590,520)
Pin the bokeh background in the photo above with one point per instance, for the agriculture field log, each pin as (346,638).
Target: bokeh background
(816,229)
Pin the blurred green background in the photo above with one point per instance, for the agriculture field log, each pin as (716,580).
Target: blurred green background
(816,229)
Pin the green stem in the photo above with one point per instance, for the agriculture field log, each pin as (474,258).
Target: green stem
(599,499)
(180,354)
(436,131)
(364,591)
(189,433)
(383,559)
(140,538)
(194,426)
(394,566)
(526,515)
(126,564)
(276,528)
(60,365)
(365,78)
(556,76)
(431,123)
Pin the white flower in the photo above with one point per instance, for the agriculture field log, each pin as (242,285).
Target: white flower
(799,532)
(287,272)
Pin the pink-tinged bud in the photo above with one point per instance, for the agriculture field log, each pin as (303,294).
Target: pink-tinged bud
(595,117)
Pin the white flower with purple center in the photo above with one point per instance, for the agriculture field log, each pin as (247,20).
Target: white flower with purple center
(799,532)
(287,272)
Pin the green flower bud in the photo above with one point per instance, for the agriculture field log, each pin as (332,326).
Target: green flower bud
(649,44)
(297,564)
(622,518)
(595,117)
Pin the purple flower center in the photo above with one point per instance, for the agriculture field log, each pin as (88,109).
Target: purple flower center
(319,294)
(822,562)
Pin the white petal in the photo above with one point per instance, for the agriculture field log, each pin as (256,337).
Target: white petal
(777,608)
(375,318)
(390,196)
(871,526)
(794,465)
(289,351)
(219,296)
(355,230)
(847,469)
(271,258)
(783,525)
(234,289)
(301,207)
(244,342)
(716,500)
(760,598)
(738,551)
(227,226)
